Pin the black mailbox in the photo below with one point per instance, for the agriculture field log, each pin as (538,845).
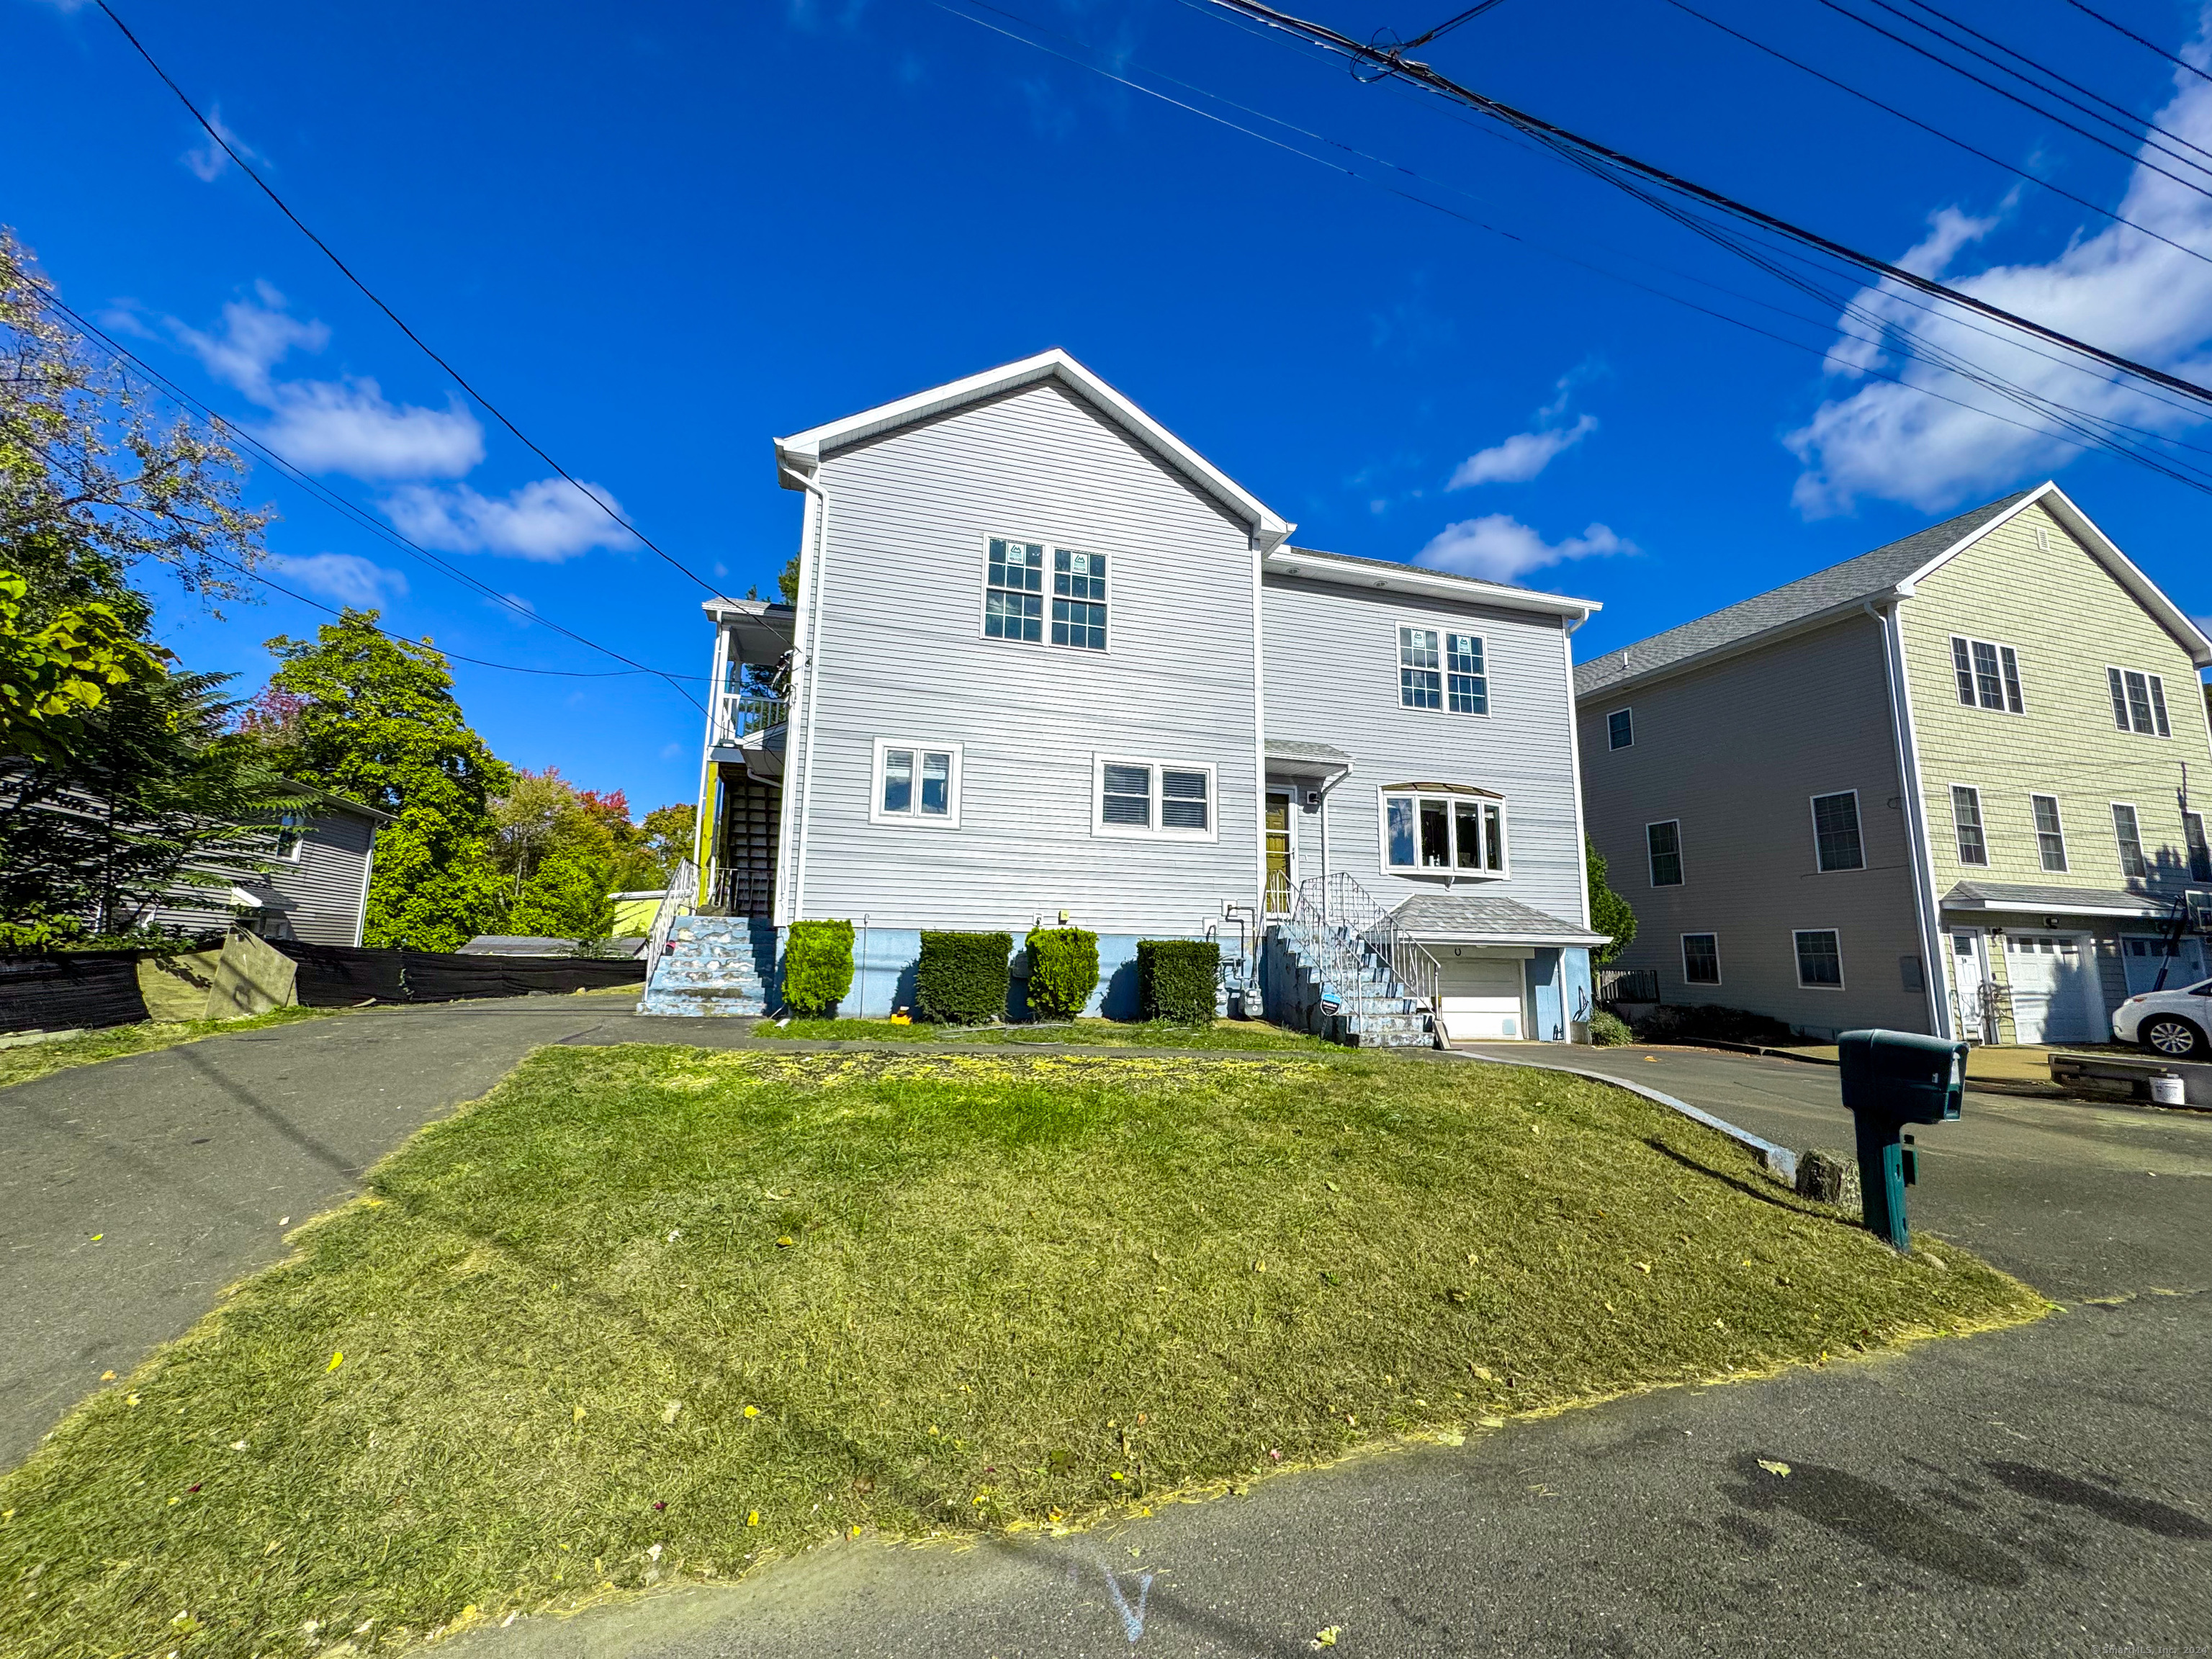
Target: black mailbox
(1891,1078)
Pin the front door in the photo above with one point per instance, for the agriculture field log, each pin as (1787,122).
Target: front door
(1970,985)
(1279,854)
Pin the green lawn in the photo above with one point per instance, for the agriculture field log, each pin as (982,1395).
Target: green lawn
(646,1314)
(1135,1034)
(38,1059)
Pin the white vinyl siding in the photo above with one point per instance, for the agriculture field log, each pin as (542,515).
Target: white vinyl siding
(1966,825)
(1837,844)
(1987,674)
(2138,702)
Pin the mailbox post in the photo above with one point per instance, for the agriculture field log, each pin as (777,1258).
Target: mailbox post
(1891,1079)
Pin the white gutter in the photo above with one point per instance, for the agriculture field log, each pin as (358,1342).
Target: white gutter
(1432,584)
(807,611)
(1574,767)
(1936,965)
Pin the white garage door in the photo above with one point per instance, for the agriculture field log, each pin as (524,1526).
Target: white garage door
(2054,987)
(1482,997)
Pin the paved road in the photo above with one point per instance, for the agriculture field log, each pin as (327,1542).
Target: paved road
(2041,1491)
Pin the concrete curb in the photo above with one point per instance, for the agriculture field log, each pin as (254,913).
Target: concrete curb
(1777,1161)
(1746,1048)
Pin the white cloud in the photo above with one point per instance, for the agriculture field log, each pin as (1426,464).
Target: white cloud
(256,334)
(208,161)
(2118,289)
(1521,457)
(1499,548)
(549,520)
(342,577)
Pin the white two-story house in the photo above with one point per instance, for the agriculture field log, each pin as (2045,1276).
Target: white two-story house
(1046,661)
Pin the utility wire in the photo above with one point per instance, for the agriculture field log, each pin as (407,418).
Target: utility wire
(1451,23)
(1615,165)
(2152,45)
(345,270)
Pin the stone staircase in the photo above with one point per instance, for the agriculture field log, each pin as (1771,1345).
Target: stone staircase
(1372,1010)
(713,965)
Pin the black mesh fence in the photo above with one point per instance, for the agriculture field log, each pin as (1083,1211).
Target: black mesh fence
(335,977)
(72,991)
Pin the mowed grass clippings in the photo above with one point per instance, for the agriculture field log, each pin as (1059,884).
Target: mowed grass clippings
(37,1060)
(1225,1033)
(646,1314)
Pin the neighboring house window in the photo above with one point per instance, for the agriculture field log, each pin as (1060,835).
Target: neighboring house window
(1701,959)
(1988,675)
(1420,673)
(1149,798)
(2125,830)
(1466,685)
(290,830)
(1453,834)
(1819,958)
(2138,702)
(1078,599)
(2200,856)
(1621,728)
(1014,600)
(916,783)
(1664,842)
(1966,819)
(1836,831)
(2050,833)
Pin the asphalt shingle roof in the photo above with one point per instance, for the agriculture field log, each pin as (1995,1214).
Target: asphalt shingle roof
(2057,900)
(1428,914)
(1854,579)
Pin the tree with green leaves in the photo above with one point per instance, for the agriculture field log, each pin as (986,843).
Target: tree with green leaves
(52,678)
(376,719)
(1609,912)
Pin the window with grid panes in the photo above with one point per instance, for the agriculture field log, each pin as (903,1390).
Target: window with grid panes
(2050,833)
(1988,675)
(1421,669)
(1966,821)
(2129,835)
(2138,702)
(1078,599)
(1013,596)
(1836,831)
(1466,685)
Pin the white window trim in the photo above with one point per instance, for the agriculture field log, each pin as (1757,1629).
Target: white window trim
(289,855)
(2203,832)
(1630,712)
(1982,813)
(2000,648)
(1156,830)
(1717,973)
(2065,853)
(2122,671)
(1043,641)
(1682,864)
(916,819)
(2120,856)
(1443,631)
(1858,818)
(1429,871)
(1797,965)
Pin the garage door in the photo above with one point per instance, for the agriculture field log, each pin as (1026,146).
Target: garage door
(1482,996)
(2054,987)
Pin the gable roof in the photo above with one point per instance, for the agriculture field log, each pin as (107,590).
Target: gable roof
(1351,570)
(1888,573)
(803,451)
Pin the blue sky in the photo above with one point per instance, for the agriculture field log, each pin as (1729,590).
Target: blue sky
(657,238)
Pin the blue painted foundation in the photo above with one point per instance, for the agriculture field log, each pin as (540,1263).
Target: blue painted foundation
(884,960)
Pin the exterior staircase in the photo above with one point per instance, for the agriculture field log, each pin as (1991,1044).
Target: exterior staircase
(1337,967)
(713,965)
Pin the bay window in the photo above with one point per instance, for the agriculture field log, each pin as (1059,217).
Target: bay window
(1443,829)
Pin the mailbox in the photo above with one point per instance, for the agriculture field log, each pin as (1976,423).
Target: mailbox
(1891,1078)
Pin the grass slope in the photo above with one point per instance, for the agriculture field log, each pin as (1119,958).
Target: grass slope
(38,1059)
(646,1314)
(1223,1034)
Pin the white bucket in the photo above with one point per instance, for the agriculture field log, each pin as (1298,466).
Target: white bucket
(2167,1089)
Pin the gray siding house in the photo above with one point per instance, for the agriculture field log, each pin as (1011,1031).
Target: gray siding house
(310,882)
(1944,787)
(1046,661)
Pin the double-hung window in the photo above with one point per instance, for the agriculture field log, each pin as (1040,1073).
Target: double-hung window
(1701,959)
(1013,596)
(1078,599)
(1421,669)
(2138,702)
(1819,958)
(2200,854)
(1967,823)
(291,827)
(1988,675)
(2129,834)
(1437,669)
(1662,842)
(916,783)
(1836,842)
(1620,729)
(2050,833)
(1466,682)
(1445,829)
(1143,797)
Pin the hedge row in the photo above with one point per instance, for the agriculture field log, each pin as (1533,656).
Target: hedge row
(964,979)
(1176,980)
(818,966)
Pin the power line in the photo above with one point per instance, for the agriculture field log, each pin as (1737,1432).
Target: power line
(2152,45)
(346,271)
(1451,23)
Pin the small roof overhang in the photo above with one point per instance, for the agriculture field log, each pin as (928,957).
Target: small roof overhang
(1349,571)
(2005,899)
(260,895)
(760,629)
(1440,789)
(1313,759)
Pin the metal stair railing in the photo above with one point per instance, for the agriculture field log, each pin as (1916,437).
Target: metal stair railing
(1343,972)
(677,901)
(1347,905)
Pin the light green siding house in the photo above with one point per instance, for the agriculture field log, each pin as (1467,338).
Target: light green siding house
(1959,784)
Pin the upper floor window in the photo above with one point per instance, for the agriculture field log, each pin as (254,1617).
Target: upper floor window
(1442,670)
(2129,835)
(1836,841)
(1013,598)
(2138,702)
(1149,798)
(2200,854)
(916,783)
(1078,599)
(291,827)
(1457,830)
(1421,669)
(1662,842)
(1466,682)
(1967,823)
(2050,833)
(1621,728)
(1988,675)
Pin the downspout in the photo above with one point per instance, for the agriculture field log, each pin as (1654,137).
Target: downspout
(806,660)
(1916,828)
(705,831)
(1327,789)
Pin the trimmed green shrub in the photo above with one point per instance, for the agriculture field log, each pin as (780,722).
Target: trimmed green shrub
(963,978)
(1608,1029)
(818,966)
(1063,971)
(1176,980)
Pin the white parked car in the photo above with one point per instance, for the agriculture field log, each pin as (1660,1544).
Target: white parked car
(2175,1024)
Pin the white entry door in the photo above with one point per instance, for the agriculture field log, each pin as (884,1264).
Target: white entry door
(2055,996)
(1480,997)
